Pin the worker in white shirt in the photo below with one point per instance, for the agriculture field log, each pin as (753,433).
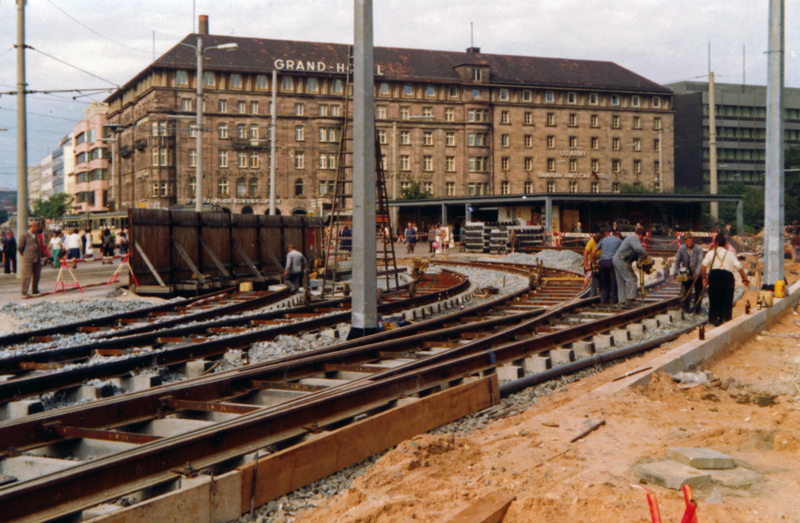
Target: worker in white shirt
(717,271)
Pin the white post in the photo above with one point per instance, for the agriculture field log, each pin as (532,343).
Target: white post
(712,147)
(22,133)
(272,138)
(198,173)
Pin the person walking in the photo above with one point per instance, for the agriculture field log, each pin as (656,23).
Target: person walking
(74,245)
(607,248)
(31,253)
(108,247)
(690,257)
(717,272)
(55,247)
(796,245)
(10,253)
(122,243)
(431,237)
(591,259)
(411,239)
(578,228)
(293,272)
(629,251)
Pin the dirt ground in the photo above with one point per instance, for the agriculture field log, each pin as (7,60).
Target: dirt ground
(750,412)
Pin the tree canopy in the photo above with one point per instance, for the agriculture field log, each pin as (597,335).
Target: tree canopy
(415,191)
(53,208)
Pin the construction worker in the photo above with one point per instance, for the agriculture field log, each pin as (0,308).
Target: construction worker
(688,264)
(630,251)
(591,263)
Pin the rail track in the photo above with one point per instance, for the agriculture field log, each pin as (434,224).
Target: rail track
(143,441)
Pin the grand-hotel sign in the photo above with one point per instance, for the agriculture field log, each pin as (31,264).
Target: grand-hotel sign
(286,64)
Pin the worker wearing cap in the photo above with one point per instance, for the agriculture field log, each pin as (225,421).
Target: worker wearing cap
(630,251)
(690,256)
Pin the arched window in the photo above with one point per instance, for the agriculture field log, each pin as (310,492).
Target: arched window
(298,187)
(247,210)
(241,188)
(253,187)
(222,187)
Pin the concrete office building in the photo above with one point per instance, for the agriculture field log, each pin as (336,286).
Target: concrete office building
(91,161)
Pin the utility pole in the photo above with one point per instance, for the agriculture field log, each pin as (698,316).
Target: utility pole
(712,147)
(773,186)
(198,173)
(272,137)
(364,320)
(22,132)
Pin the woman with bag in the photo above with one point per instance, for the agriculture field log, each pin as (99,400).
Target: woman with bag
(717,271)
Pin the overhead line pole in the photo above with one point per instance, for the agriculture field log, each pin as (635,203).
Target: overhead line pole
(272,145)
(22,132)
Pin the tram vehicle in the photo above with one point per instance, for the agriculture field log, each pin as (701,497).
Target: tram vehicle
(96,222)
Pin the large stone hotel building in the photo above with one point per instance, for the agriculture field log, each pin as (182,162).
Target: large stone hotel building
(460,123)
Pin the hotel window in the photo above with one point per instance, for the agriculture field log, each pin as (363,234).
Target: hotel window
(332,161)
(505,163)
(636,101)
(450,139)
(261,81)
(476,93)
(287,83)
(528,118)
(504,117)
(656,102)
(299,109)
(313,85)
(505,188)
(528,188)
(323,160)
(573,120)
(450,163)
(323,187)
(241,159)
(595,187)
(551,164)
(222,159)
(615,122)
(551,142)
(528,140)
(595,166)
(254,161)
(593,98)
(404,186)
(573,142)
(637,122)
(405,113)
(551,119)
(637,144)
(405,137)
(549,97)
(427,163)
(657,167)
(338,86)
(241,188)
(384,89)
(572,98)
(154,190)
(614,99)
(381,136)
(186,104)
(595,121)
(616,165)
(299,133)
(427,138)
(657,123)
(637,166)
(453,92)
(208,79)
(451,188)
(223,130)
(427,187)
(503,95)
(323,110)
(615,144)
(573,165)
(595,142)
(449,114)
(335,110)
(236,81)
(528,163)
(408,90)
(223,106)
(471,189)
(241,107)
(573,187)
(323,134)
(181,78)
(405,162)
(192,130)
(504,140)
(192,187)
(427,112)
(430,91)
(253,187)
(527,96)
(615,187)
(192,157)
(222,187)
(299,161)
(380,112)
(298,187)
(476,74)
(254,132)
(551,186)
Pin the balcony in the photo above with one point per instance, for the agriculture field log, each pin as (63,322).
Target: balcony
(247,143)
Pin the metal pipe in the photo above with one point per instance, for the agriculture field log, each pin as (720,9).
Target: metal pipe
(272,137)
(712,147)
(22,133)
(198,192)
(570,368)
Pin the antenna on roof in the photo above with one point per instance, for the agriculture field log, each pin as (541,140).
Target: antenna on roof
(471,38)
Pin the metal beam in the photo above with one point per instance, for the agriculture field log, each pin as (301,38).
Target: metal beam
(22,133)
(740,217)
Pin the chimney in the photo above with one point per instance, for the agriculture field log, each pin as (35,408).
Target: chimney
(473,50)
(203,25)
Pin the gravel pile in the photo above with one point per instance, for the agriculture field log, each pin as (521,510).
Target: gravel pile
(489,278)
(49,314)
(564,260)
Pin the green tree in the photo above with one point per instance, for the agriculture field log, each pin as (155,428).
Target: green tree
(52,208)
(3,216)
(415,192)
(628,188)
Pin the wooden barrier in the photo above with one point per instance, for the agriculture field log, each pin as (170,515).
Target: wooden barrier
(184,251)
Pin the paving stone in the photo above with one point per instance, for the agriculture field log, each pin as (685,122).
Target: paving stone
(671,474)
(735,478)
(701,458)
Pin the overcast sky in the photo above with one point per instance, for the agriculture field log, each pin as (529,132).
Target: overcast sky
(663,40)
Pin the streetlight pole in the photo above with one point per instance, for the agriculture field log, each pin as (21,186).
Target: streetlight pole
(22,131)
(272,137)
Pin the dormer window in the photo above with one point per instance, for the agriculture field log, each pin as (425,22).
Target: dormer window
(503,95)
(476,74)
